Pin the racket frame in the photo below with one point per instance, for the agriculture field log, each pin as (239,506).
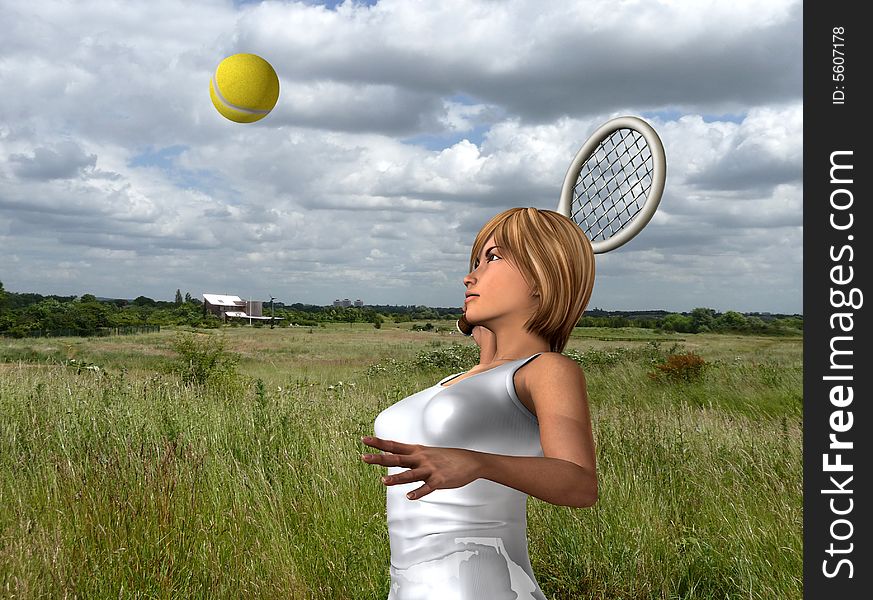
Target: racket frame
(653,198)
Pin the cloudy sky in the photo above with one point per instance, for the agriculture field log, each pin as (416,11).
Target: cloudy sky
(402,126)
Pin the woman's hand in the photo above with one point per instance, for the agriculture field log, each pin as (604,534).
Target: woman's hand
(439,468)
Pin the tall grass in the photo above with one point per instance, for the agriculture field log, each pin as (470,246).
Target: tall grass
(130,482)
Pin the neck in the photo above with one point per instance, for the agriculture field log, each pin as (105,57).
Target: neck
(515,342)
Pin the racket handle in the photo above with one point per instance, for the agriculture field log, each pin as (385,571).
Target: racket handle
(464,327)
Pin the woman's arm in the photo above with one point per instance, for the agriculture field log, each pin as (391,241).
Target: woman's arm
(555,480)
(565,475)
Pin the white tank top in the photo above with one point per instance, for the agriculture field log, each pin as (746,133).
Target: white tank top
(467,543)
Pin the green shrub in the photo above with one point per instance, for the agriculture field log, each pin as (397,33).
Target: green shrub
(443,358)
(202,358)
(649,354)
(455,356)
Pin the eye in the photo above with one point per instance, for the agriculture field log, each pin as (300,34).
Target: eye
(488,258)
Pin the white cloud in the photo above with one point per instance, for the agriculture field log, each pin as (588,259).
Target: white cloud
(401,128)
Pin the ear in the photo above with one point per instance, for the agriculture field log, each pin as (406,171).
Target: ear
(464,326)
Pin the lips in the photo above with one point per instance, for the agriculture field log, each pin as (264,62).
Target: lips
(470,297)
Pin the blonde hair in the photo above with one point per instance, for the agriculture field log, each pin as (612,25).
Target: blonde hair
(556,261)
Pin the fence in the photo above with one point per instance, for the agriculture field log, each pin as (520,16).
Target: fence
(99,332)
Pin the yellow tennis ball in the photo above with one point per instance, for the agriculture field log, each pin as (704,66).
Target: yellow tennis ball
(244,88)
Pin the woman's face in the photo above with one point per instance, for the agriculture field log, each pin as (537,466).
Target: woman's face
(499,288)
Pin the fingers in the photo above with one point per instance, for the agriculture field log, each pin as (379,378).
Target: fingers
(387,460)
(388,445)
(405,477)
(395,454)
(370,440)
(399,458)
(420,492)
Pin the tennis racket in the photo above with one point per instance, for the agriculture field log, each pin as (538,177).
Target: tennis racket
(613,186)
(615,182)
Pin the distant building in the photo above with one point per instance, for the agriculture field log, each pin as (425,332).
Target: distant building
(234,307)
(359,302)
(219,305)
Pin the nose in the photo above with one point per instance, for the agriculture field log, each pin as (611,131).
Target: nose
(469,279)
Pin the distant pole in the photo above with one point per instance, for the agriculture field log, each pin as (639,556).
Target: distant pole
(272,314)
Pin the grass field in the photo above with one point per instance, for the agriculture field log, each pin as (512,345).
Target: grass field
(120,480)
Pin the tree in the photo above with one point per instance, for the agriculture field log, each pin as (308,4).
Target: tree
(702,319)
(756,324)
(86,317)
(143,301)
(732,321)
(676,322)
(178,300)
(187,296)
(788,323)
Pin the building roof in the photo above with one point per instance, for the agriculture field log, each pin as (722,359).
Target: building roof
(242,315)
(220,300)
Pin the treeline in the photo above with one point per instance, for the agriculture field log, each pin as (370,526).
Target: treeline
(702,320)
(23,315)
(28,314)
(308,314)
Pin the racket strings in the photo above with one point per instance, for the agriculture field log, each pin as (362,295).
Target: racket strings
(613,184)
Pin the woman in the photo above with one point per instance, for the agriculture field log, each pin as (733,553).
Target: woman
(516,424)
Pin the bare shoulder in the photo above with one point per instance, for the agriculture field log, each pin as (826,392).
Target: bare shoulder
(554,365)
(549,374)
(556,358)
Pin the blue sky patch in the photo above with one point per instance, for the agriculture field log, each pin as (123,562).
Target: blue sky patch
(442,141)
